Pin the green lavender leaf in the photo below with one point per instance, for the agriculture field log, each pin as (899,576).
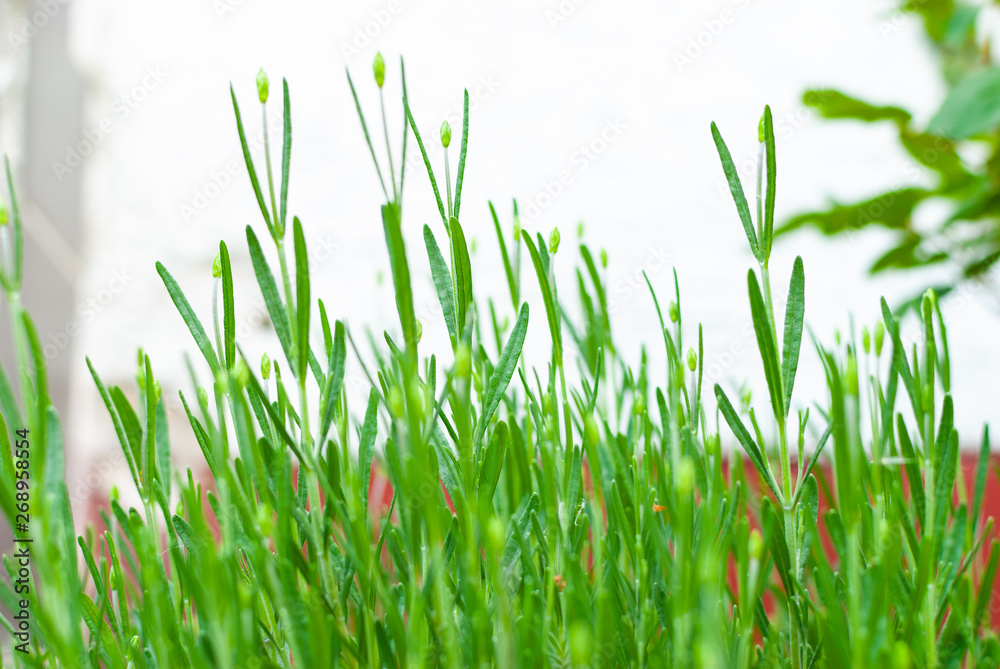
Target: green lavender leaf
(765,341)
(733,177)
(254,182)
(792,341)
(190,318)
(442,283)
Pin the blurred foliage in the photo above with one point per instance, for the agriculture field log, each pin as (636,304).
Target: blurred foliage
(959,148)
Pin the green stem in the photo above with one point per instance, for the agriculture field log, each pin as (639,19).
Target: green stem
(278,225)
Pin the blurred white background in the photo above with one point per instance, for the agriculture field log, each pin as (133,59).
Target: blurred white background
(638,82)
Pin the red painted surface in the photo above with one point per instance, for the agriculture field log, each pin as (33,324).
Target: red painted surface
(380,497)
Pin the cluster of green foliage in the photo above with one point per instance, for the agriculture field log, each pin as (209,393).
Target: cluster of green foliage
(954,159)
(534,522)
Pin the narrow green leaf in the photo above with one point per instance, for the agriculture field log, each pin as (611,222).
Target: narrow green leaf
(228,308)
(442,283)
(982,467)
(551,312)
(286,151)
(367,444)
(902,364)
(771,163)
(461,267)
(792,341)
(302,301)
(733,177)
(272,298)
(15,214)
(765,341)
(249,163)
(985,594)
(400,274)
(335,380)
(743,436)
(461,156)
(427,163)
(190,318)
(364,128)
(508,270)
(506,364)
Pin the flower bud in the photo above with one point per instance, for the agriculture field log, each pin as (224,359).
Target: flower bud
(675,312)
(217,265)
(879,337)
(445,134)
(262,85)
(4,215)
(202,397)
(866,339)
(579,229)
(639,406)
(265,367)
(554,238)
(760,130)
(692,359)
(604,258)
(379,68)
(420,330)
(517,228)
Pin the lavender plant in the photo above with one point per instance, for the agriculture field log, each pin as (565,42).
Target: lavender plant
(540,516)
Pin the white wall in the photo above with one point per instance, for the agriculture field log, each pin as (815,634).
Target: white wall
(558,74)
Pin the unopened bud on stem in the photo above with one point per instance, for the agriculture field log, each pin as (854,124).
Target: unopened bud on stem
(262,86)
(445,134)
(379,69)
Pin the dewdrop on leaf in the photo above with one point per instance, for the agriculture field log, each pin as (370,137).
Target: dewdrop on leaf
(445,134)
(379,68)
(554,238)
(262,85)
(265,367)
